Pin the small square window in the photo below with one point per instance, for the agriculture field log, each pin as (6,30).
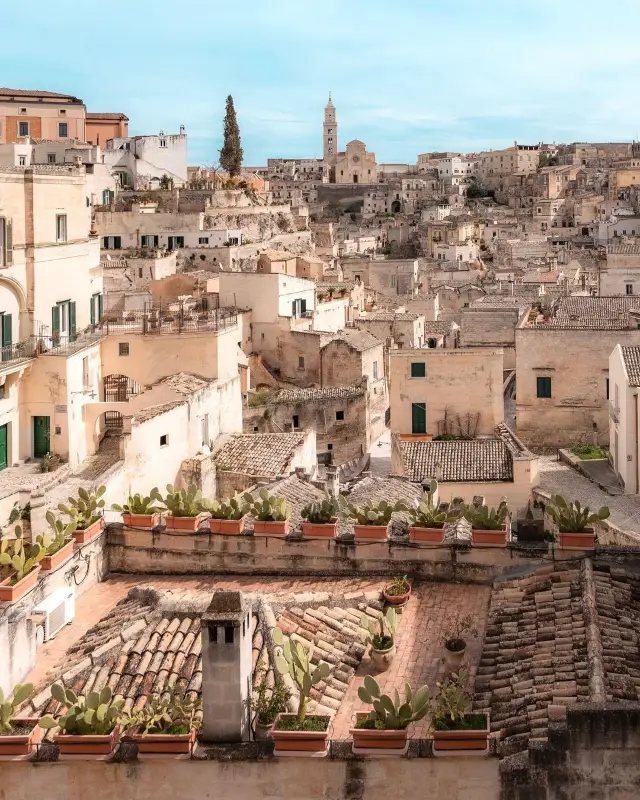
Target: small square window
(255,429)
(51,158)
(418,369)
(63,130)
(23,110)
(295,421)
(543,387)
(23,129)
(163,142)
(300,362)
(62,112)
(339,415)
(123,349)
(329,446)
(228,635)
(164,440)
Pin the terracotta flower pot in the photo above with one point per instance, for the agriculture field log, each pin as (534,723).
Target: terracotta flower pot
(21,744)
(292,742)
(261,731)
(11,594)
(462,741)
(49,563)
(426,535)
(89,745)
(166,743)
(229,527)
(261,528)
(143,521)
(371,533)
(382,658)
(454,659)
(585,540)
(182,524)
(490,538)
(365,739)
(86,534)
(316,530)
(396,599)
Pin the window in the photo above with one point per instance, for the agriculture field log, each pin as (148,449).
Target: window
(85,372)
(418,369)
(163,142)
(164,440)
(300,362)
(375,370)
(629,288)
(213,633)
(63,319)
(63,130)
(51,158)
(62,112)
(393,281)
(606,387)
(339,416)
(123,348)
(139,272)
(22,161)
(95,308)
(23,110)
(23,129)
(295,421)
(329,446)
(543,386)
(203,240)
(112,242)
(6,242)
(61,227)
(228,635)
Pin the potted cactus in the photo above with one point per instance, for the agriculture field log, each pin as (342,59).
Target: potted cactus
(57,545)
(141,511)
(86,511)
(380,633)
(90,725)
(300,732)
(269,700)
(183,506)
(270,514)
(574,523)
(372,521)
(385,727)
(320,520)
(456,729)
(165,724)
(489,526)
(226,516)
(18,736)
(23,567)
(397,592)
(426,521)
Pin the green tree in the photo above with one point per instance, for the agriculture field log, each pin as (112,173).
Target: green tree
(231,153)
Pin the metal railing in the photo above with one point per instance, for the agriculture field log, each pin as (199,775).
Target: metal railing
(13,354)
(67,344)
(161,322)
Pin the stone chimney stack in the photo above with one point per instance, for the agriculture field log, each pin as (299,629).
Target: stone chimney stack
(226,668)
(333,481)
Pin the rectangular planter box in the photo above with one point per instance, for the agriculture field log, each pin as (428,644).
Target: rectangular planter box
(144,521)
(91,746)
(270,528)
(364,739)
(49,563)
(182,524)
(490,538)
(461,741)
(313,530)
(426,535)
(303,742)
(163,743)
(371,533)
(85,535)
(577,541)
(228,527)
(11,594)
(21,745)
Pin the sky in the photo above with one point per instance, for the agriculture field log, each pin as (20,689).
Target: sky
(406,76)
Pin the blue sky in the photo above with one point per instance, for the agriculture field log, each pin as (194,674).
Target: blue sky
(407,76)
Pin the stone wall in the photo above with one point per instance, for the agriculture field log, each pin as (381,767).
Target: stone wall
(491,328)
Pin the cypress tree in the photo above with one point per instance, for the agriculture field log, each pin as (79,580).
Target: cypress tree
(231,153)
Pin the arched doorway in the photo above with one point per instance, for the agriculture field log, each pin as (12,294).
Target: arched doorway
(395,206)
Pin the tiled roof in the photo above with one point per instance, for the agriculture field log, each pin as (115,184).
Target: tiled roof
(185,382)
(631,357)
(374,489)
(624,249)
(107,115)
(154,411)
(438,327)
(473,461)
(511,441)
(312,395)
(358,340)
(594,313)
(261,454)
(500,301)
(298,493)
(388,316)
(541,277)
(36,93)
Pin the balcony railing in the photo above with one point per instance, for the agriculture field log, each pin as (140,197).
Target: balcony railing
(15,354)
(67,344)
(161,322)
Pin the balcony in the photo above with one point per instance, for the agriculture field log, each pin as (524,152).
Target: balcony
(157,322)
(14,356)
(614,413)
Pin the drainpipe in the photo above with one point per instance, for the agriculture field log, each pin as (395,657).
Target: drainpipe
(635,398)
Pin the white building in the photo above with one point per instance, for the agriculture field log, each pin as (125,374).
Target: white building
(141,162)
(453,165)
(623,390)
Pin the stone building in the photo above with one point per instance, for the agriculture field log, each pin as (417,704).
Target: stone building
(619,273)
(143,161)
(42,115)
(562,368)
(356,165)
(389,276)
(102,127)
(624,415)
(500,163)
(491,321)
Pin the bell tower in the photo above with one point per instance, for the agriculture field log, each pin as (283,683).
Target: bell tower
(330,133)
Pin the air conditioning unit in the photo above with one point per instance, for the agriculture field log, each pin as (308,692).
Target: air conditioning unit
(54,613)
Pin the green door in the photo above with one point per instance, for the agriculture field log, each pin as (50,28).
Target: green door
(418,417)
(6,337)
(41,443)
(4,460)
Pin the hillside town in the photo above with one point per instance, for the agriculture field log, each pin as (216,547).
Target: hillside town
(322,473)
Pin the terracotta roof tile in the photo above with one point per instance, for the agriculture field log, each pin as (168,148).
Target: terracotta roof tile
(467,461)
(631,357)
(260,454)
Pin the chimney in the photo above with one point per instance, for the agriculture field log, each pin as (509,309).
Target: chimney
(333,482)
(226,668)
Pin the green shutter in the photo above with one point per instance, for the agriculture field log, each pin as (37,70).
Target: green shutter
(8,242)
(72,320)
(418,418)
(92,310)
(99,307)
(55,320)
(303,306)
(418,369)
(6,330)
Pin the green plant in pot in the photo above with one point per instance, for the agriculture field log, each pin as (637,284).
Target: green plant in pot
(18,737)
(270,513)
(21,561)
(86,509)
(371,521)
(226,516)
(268,701)
(455,727)
(141,511)
(289,729)
(489,525)
(166,723)
(183,506)
(398,591)
(380,633)
(320,519)
(89,725)
(456,632)
(385,726)
(58,543)
(426,521)
(574,522)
